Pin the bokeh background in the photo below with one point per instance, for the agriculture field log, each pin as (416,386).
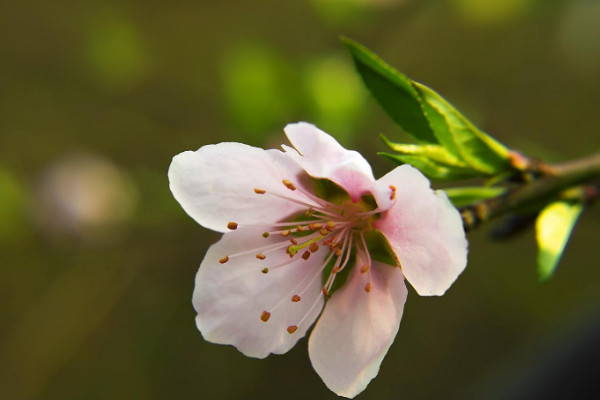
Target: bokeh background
(97,260)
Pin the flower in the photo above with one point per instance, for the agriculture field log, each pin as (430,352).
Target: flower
(308,231)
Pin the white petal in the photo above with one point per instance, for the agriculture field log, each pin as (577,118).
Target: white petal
(357,328)
(425,231)
(230,297)
(323,157)
(215,184)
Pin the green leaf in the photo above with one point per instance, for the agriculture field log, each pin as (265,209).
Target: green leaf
(553,229)
(459,136)
(393,91)
(434,152)
(431,169)
(462,196)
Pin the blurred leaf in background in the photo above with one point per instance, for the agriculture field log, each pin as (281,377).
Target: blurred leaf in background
(258,89)
(336,98)
(115,51)
(493,12)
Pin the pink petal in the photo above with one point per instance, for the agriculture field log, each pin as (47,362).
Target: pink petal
(425,231)
(357,328)
(215,184)
(323,157)
(230,297)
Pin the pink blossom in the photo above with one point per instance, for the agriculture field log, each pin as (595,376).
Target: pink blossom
(296,224)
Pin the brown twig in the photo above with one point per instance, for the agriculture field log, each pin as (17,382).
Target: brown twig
(545,183)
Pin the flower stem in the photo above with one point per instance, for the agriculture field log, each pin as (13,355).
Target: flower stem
(577,180)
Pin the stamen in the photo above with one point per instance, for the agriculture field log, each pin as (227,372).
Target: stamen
(330,225)
(264,270)
(300,228)
(289,184)
(314,226)
(306,255)
(224,260)
(232,225)
(366,249)
(368,287)
(364,268)
(393,194)
(261,256)
(296,298)
(265,316)
(266,235)
(291,329)
(259,191)
(335,270)
(325,292)
(305,282)
(293,241)
(314,247)
(324,232)
(285,233)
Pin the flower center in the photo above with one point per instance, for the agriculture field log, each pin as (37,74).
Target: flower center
(331,234)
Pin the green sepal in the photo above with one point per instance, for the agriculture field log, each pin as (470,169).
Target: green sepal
(393,91)
(330,191)
(379,248)
(553,227)
(433,170)
(462,196)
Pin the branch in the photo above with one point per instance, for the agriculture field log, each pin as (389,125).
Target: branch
(577,180)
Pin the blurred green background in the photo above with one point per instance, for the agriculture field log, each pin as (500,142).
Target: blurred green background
(98,260)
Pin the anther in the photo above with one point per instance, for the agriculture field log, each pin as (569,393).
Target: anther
(368,287)
(259,191)
(300,228)
(289,184)
(314,226)
(293,241)
(232,225)
(325,292)
(264,270)
(335,270)
(338,252)
(265,316)
(224,260)
(364,268)
(266,235)
(291,329)
(393,194)
(286,233)
(330,225)
(314,247)
(305,255)
(309,212)
(324,232)
(295,298)
(261,256)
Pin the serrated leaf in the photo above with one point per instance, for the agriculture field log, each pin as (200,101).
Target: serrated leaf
(462,196)
(553,229)
(432,169)
(435,152)
(393,91)
(457,134)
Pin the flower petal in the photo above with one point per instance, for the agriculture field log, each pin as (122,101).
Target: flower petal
(323,157)
(425,231)
(230,297)
(215,184)
(357,328)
